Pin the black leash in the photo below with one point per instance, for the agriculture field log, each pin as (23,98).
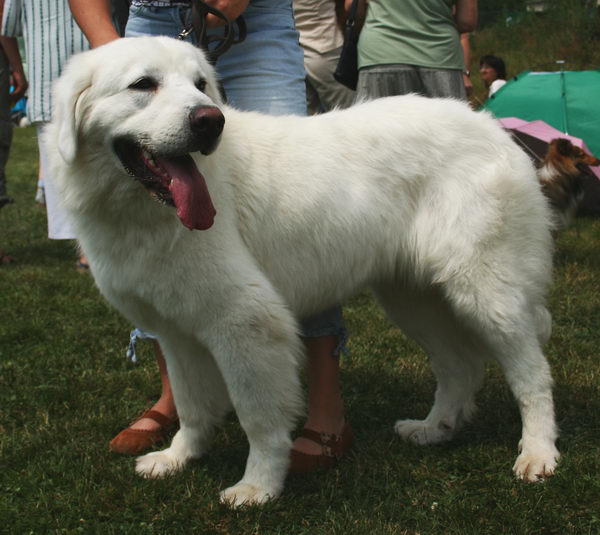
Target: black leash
(214,45)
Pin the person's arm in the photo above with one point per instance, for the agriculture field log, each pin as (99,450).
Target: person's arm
(94,19)
(466,47)
(359,19)
(19,81)
(466,15)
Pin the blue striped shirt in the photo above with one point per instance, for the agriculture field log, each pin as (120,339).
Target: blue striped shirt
(51,37)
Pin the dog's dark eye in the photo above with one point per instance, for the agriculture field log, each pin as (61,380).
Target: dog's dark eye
(201,85)
(144,84)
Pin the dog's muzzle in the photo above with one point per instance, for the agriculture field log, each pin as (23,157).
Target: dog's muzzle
(206,124)
(172,176)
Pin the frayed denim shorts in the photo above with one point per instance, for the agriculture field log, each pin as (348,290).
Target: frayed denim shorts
(263,73)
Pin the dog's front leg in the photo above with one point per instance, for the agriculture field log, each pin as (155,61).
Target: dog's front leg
(201,399)
(258,355)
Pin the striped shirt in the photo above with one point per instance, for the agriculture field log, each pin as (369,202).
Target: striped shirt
(51,37)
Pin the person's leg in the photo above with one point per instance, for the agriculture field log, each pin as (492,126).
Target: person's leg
(6,127)
(60,226)
(325,428)
(313,104)
(151,429)
(319,73)
(325,403)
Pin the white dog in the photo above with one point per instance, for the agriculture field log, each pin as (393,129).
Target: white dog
(426,202)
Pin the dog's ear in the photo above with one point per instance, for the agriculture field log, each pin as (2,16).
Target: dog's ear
(563,146)
(68,91)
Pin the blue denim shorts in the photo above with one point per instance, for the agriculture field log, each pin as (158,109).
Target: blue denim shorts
(264,73)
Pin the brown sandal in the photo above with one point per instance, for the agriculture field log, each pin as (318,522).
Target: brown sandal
(333,448)
(5,259)
(135,441)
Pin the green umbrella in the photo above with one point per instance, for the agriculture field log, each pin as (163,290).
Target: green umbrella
(567,100)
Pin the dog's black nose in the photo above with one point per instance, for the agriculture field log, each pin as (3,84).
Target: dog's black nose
(207,121)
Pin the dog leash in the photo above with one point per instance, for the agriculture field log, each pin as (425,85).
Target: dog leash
(223,42)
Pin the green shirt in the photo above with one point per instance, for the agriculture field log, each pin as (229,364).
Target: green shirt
(413,32)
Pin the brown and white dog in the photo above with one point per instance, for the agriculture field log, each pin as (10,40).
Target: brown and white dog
(561,178)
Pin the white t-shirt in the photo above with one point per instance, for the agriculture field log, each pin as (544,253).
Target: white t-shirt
(495,85)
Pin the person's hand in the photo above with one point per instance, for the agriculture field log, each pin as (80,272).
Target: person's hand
(468,84)
(231,8)
(20,85)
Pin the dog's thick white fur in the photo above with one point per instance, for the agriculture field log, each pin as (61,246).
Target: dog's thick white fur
(424,201)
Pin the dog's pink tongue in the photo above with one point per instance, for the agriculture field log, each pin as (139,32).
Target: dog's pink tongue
(190,193)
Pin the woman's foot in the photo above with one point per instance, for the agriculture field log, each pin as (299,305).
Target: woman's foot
(317,450)
(326,436)
(82,265)
(153,427)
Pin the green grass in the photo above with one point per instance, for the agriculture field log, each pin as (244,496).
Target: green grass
(66,388)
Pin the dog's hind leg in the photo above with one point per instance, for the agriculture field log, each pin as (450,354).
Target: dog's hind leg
(514,328)
(201,399)
(456,359)
(528,374)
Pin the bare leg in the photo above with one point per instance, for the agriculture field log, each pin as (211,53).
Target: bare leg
(325,403)
(145,432)
(165,404)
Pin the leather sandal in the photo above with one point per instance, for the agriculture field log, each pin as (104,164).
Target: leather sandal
(333,448)
(135,441)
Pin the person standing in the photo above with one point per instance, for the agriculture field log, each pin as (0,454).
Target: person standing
(11,73)
(414,46)
(319,24)
(51,37)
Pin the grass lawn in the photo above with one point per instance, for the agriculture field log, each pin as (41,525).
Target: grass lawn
(66,388)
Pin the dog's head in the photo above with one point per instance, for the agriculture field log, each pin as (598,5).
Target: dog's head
(568,159)
(148,102)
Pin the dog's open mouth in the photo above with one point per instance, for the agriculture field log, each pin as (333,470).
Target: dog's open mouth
(172,179)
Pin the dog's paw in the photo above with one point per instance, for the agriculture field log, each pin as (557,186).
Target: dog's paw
(158,464)
(244,494)
(536,466)
(422,432)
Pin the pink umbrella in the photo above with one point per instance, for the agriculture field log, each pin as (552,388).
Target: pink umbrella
(534,137)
